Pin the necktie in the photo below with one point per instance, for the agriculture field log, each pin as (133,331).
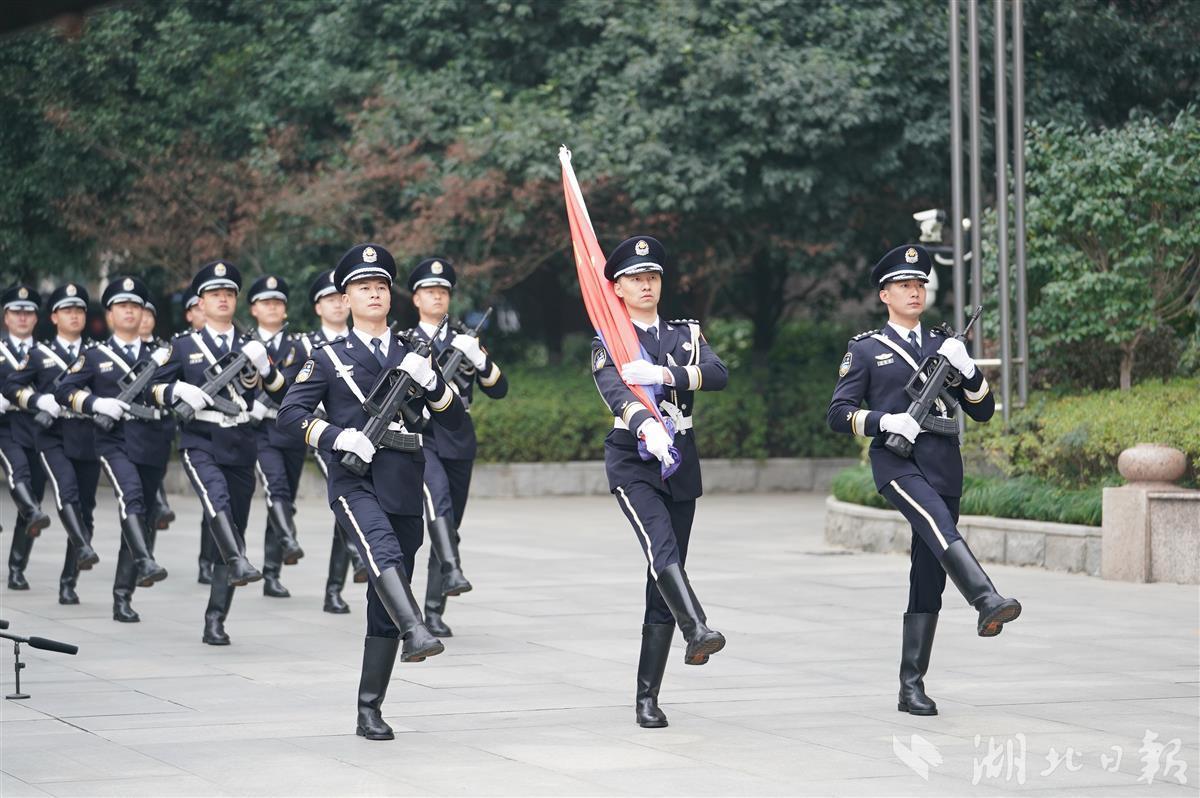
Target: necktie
(377,348)
(71,352)
(129,352)
(222,347)
(654,332)
(20,351)
(912,341)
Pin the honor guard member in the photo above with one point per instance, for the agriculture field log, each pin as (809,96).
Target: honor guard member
(18,451)
(66,448)
(331,311)
(383,509)
(193,314)
(161,514)
(679,363)
(130,452)
(925,487)
(449,454)
(280,456)
(218,449)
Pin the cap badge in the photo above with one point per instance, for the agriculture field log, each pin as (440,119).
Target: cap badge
(71,290)
(369,255)
(272,283)
(437,267)
(128,284)
(23,293)
(641,248)
(911,255)
(219,270)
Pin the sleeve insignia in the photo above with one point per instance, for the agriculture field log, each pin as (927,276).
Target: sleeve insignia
(306,371)
(598,359)
(845,367)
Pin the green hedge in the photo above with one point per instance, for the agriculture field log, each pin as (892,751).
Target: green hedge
(1019,497)
(1074,441)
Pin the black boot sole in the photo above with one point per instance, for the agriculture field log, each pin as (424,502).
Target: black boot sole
(149,581)
(374,735)
(67,602)
(164,520)
(17,585)
(700,654)
(281,593)
(336,610)
(993,624)
(37,524)
(360,577)
(215,641)
(421,655)
(457,590)
(904,708)
(86,563)
(126,619)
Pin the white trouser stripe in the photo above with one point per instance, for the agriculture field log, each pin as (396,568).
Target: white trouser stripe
(198,484)
(361,536)
(937,532)
(112,477)
(432,514)
(642,529)
(262,475)
(53,481)
(8,471)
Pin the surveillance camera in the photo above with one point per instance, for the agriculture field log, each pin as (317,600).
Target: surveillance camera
(931,225)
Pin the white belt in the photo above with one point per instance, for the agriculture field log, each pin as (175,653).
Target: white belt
(681,423)
(222,420)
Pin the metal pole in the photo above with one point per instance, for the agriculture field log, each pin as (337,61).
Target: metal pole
(1018,34)
(1001,69)
(976,200)
(956,171)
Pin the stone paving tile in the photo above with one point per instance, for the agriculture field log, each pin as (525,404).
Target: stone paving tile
(534,693)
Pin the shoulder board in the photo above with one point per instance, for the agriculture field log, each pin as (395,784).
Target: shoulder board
(321,344)
(683,321)
(863,335)
(181,334)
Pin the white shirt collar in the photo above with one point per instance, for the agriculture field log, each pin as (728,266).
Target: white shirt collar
(332,334)
(385,345)
(26,342)
(216,336)
(429,328)
(136,343)
(66,345)
(646,327)
(903,331)
(270,339)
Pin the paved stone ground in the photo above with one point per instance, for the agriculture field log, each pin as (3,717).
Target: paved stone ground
(534,693)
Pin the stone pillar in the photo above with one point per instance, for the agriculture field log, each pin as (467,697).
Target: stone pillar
(1126,548)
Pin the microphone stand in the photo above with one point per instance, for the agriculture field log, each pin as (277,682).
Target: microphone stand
(34,642)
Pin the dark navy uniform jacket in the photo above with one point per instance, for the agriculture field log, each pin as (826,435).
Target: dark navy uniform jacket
(877,366)
(460,444)
(74,432)
(97,373)
(229,440)
(694,367)
(395,478)
(21,425)
(288,356)
(165,426)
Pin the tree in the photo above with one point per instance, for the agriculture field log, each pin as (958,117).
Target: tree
(1113,222)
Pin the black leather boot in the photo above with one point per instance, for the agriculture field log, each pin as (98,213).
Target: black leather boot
(702,642)
(394,591)
(656,647)
(338,562)
(969,577)
(18,556)
(272,587)
(29,508)
(137,540)
(272,557)
(220,596)
(163,514)
(914,663)
(441,540)
(379,655)
(239,571)
(435,599)
(208,554)
(280,516)
(123,586)
(69,577)
(78,537)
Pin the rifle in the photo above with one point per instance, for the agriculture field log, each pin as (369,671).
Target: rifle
(927,385)
(216,378)
(133,384)
(453,364)
(390,396)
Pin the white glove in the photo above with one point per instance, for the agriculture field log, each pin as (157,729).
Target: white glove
(193,396)
(420,369)
(658,442)
(160,355)
(642,372)
(469,346)
(4,405)
(258,411)
(901,424)
(955,351)
(46,404)
(113,408)
(351,440)
(258,356)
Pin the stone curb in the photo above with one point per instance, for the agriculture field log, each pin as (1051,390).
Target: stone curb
(1056,547)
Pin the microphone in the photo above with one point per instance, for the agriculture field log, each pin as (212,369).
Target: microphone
(52,645)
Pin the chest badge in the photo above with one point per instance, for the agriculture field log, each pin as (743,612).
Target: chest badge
(885,359)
